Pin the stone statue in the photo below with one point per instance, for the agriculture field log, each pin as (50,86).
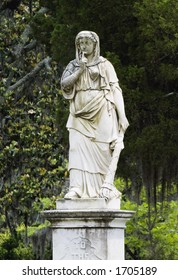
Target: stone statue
(97,120)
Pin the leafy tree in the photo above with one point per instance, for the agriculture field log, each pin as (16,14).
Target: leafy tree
(32,159)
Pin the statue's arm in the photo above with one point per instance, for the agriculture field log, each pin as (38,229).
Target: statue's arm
(71,75)
(120,107)
(68,80)
(117,95)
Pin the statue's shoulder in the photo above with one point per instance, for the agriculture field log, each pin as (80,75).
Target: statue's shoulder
(71,67)
(106,64)
(72,64)
(108,68)
(104,60)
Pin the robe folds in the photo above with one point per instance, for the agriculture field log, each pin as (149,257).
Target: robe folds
(92,124)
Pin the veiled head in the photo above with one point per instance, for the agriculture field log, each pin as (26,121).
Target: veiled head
(91,36)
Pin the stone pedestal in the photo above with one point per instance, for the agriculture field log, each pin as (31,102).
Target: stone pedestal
(88,229)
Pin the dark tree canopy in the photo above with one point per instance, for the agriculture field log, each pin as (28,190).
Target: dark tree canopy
(10,4)
(140,38)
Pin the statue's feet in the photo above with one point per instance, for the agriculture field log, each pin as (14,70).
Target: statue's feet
(71,195)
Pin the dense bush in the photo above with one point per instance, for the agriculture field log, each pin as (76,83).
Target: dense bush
(152,234)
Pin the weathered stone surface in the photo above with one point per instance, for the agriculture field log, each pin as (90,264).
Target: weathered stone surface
(88,229)
(98,203)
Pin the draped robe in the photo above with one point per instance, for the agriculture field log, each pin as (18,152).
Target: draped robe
(92,124)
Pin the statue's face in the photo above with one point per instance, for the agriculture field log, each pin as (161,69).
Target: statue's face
(86,45)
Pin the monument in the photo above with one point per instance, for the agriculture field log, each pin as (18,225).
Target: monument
(88,222)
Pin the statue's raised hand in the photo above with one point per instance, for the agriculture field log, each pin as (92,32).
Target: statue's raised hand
(83,61)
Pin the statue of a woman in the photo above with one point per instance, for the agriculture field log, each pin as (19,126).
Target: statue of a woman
(97,120)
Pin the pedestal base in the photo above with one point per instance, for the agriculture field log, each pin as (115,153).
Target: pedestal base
(88,229)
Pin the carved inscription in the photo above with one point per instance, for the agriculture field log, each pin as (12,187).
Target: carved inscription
(80,247)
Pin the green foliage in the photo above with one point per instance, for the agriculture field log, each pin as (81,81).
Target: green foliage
(13,248)
(106,18)
(32,159)
(152,234)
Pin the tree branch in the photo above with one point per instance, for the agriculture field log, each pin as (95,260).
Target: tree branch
(23,46)
(44,63)
(30,46)
(25,36)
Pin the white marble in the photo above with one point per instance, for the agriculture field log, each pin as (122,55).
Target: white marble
(88,230)
(88,244)
(94,203)
(97,120)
